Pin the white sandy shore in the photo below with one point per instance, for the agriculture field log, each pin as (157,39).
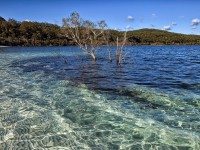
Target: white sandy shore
(3,46)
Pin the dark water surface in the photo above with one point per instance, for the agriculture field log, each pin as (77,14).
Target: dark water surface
(57,98)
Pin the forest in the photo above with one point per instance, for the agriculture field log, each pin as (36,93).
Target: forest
(27,33)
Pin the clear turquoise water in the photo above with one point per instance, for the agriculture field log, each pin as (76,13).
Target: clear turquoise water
(57,98)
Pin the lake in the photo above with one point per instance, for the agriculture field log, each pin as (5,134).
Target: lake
(58,98)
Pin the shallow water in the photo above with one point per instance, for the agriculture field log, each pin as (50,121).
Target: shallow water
(57,98)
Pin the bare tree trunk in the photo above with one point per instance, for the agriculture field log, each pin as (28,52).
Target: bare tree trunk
(92,54)
(109,55)
(119,51)
(118,59)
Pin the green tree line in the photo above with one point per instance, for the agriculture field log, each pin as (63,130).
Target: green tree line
(26,33)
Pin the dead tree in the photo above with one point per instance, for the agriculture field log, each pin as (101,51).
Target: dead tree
(120,54)
(84,33)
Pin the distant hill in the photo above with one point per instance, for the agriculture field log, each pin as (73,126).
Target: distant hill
(154,36)
(15,33)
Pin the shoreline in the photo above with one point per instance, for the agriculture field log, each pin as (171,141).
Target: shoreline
(3,46)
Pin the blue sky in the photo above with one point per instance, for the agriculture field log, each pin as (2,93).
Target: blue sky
(172,15)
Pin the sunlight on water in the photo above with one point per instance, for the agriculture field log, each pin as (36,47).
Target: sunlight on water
(41,112)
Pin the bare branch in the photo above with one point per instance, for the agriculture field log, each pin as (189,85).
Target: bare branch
(84,33)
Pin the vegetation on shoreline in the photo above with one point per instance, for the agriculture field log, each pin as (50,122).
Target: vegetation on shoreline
(26,33)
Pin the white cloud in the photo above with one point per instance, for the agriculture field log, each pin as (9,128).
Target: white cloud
(152,25)
(128,28)
(195,22)
(193,28)
(153,15)
(27,20)
(130,18)
(174,23)
(167,28)
(118,29)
